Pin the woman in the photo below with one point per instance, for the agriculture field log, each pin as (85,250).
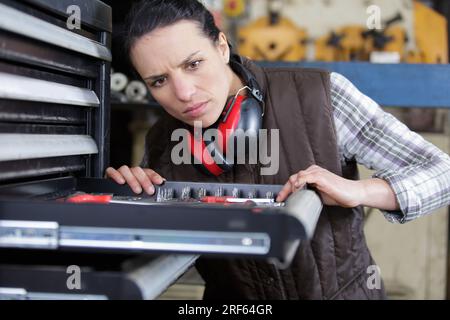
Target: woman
(325,126)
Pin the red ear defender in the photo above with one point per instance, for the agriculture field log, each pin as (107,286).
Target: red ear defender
(242,113)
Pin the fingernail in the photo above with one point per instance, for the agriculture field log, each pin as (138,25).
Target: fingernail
(137,190)
(297,184)
(121,181)
(150,190)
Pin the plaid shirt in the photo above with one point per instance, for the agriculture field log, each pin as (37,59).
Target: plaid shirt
(417,171)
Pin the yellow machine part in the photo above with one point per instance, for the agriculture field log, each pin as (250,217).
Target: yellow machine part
(325,52)
(430,30)
(283,41)
(352,43)
(397,44)
(414,57)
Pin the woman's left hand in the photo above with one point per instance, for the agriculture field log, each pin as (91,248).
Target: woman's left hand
(333,189)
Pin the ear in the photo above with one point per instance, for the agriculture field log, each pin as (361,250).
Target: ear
(224,49)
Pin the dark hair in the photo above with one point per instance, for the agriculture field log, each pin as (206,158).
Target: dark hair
(148,15)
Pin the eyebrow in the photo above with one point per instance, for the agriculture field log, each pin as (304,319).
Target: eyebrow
(185,61)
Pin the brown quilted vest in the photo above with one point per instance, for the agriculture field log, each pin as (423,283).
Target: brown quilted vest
(334,265)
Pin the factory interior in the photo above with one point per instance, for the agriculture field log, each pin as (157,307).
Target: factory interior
(95,205)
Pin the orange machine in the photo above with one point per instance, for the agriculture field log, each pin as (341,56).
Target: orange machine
(391,38)
(430,29)
(357,43)
(273,39)
(345,44)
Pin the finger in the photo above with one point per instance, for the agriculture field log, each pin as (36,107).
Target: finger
(154,176)
(115,175)
(143,179)
(306,178)
(293,178)
(284,192)
(294,183)
(299,182)
(130,179)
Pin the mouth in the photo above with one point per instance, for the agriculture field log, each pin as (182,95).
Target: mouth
(196,110)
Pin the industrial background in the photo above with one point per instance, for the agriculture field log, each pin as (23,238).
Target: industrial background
(402,64)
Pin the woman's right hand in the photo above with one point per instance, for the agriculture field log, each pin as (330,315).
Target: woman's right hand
(137,178)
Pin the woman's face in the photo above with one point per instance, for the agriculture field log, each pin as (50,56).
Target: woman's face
(185,71)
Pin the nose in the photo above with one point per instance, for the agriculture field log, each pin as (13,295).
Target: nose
(184,88)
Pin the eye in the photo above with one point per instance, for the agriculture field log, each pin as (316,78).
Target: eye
(158,82)
(194,64)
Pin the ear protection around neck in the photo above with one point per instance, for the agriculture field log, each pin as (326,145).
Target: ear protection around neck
(240,112)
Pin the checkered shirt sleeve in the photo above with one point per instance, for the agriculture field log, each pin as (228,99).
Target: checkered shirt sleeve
(417,171)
